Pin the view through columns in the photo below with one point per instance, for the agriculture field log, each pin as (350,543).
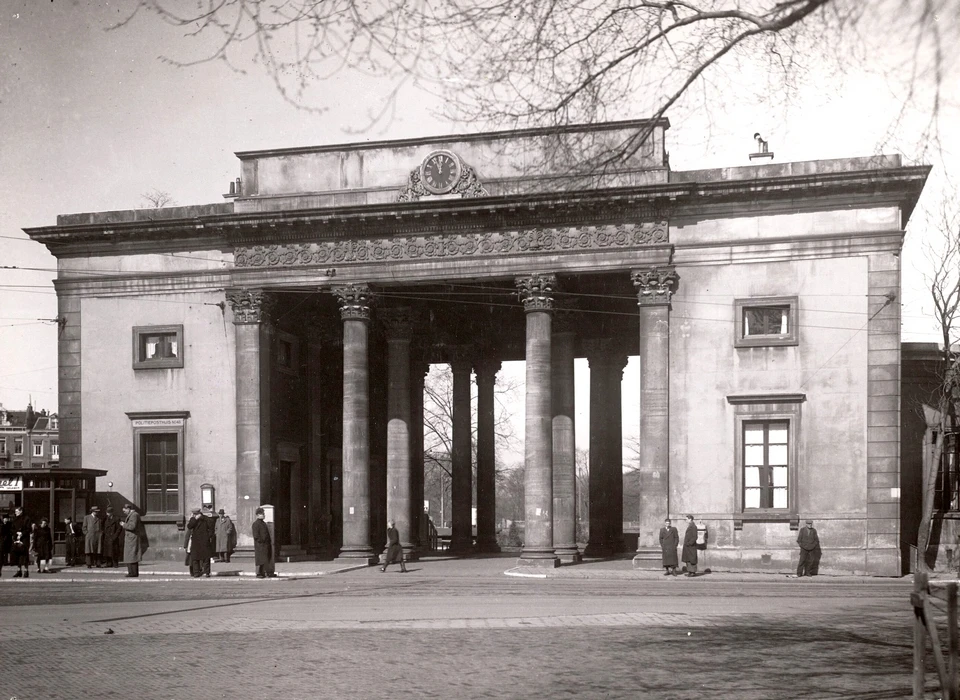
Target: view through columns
(564,440)
(461,539)
(599,540)
(486,372)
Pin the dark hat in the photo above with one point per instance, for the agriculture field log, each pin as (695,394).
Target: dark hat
(109,509)
(221,512)
(196,511)
(259,511)
(809,522)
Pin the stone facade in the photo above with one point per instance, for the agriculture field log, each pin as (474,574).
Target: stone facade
(761,301)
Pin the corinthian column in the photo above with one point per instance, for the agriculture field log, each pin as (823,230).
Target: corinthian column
(486,457)
(399,325)
(355,311)
(613,414)
(564,441)
(461,538)
(251,318)
(536,293)
(654,289)
(598,358)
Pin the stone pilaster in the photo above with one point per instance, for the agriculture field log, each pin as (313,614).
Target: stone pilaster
(399,326)
(355,303)
(613,414)
(461,538)
(654,290)
(598,542)
(564,441)
(536,293)
(486,370)
(252,309)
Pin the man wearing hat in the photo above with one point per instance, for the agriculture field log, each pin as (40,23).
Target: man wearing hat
(226,537)
(93,536)
(809,551)
(202,543)
(262,547)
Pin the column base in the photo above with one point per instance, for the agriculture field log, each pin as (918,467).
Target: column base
(597,550)
(568,554)
(353,557)
(540,560)
(648,559)
(461,546)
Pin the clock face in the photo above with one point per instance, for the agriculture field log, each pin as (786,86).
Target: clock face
(440,172)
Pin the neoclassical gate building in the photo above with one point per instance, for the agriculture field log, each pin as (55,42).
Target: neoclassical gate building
(272,348)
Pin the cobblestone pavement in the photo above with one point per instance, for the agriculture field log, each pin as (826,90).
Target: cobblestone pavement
(439,632)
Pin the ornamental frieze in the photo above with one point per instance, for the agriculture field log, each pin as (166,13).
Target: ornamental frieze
(443,246)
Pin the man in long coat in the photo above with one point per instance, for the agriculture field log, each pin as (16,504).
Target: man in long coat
(669,540)
(809,543)
(134,540)
(262,547)
(93,536)
(689,553)
(203,539)
(394,550)
(226,537)
(112,539)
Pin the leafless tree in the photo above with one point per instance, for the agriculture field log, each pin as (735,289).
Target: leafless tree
(505,63)
(157,199)
(944,283)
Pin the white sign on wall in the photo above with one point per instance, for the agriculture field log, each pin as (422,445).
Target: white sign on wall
(11,483)
(158,423)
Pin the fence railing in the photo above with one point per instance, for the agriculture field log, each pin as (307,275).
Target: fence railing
(932,600)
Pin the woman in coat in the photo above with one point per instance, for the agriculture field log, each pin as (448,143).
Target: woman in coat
(669,540)
(133,540)
(43,546)
(689,554)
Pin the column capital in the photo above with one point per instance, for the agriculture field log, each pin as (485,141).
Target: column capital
(605,352)
(461,358)
(654,286)
(251,305)
(355,301)
(536,291)
(398,322)
(486,370)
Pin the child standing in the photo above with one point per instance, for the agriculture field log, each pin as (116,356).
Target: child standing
(43,546)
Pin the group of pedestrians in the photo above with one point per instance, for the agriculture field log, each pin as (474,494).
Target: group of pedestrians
(97,542)
(22,540)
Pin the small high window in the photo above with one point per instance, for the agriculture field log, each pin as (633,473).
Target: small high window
(54,449)
(38,449)
(767,321)
(18,447)
(157,347)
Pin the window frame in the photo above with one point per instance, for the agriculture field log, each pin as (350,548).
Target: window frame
(767,408)
(162,363)
(54,449)
(18,446)
(791,337)
(37,449)
(152,423)
(293,368)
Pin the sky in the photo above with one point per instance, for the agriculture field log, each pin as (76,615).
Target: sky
(91,119)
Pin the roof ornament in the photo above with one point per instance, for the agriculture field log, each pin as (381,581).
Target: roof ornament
(442,175)
(762,148)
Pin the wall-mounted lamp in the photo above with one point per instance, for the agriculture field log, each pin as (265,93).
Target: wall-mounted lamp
(208,496)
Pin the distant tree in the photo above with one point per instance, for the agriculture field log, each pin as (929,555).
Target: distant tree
(157,199)
(510,493)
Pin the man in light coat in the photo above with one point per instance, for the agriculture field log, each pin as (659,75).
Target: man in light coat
(93,536)
(134,539)
(226,537)
(669,540)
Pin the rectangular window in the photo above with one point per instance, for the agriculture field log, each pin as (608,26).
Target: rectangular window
(765,464)
(765,321)
(54,449)
(18,447)
(3,446)
(159,463)
(288,353)
(38,449)
(157,347)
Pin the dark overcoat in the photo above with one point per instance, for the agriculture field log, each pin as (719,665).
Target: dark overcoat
(394,550)
(92,534)
(669,540)
(689,554)
(134,538)
(43,542)
(112,537)
(262,547)
(202,538)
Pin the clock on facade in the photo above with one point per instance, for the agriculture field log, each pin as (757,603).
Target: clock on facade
(440,171)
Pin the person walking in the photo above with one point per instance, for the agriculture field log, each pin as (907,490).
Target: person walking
(72,538)
(669,540)
(43,546)
(112,539)
(810,552)
(93,537)
(187,536)
(6,540)
(226,537)
(394,550)
(203,540)
(689,553)
(262,547)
